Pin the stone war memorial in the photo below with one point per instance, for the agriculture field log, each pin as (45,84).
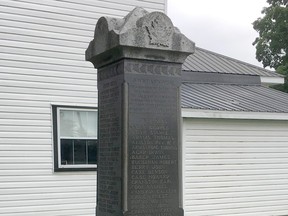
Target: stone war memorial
(138,60)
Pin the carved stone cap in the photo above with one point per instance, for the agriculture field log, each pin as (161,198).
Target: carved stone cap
(139,35)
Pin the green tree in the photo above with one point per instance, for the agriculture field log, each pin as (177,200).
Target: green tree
(272,43)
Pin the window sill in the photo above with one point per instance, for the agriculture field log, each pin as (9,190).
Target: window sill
(75,169)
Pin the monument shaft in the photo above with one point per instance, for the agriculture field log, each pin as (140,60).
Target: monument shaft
(139,138)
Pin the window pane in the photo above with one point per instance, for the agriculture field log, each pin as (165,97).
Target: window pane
(92,121)
(66,151)
(92,151)
(66,123)
(80,152)
(78,123)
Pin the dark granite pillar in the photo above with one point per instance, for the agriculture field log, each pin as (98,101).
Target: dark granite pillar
(139,77)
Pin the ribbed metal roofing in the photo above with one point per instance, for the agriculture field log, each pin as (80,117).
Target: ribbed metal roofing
(226,97)
(206,61)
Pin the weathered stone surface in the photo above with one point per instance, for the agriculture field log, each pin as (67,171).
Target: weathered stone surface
(139,35)
(139,139)
(153,138)
(139,77)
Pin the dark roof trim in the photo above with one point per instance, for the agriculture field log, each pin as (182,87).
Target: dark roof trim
(218,78)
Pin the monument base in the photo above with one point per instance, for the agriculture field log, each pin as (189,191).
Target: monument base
(146,212)
(153,212)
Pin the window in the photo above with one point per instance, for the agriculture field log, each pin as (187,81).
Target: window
(75,138)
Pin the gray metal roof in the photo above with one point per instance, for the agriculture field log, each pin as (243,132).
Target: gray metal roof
(227,97)
(206,61)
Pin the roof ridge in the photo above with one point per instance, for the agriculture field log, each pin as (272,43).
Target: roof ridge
(235,60)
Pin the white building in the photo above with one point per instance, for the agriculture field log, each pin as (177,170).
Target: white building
(235,140)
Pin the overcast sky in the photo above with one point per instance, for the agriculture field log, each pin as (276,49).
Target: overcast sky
(222,26)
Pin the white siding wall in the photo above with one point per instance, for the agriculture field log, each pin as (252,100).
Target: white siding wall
(42,62)
(235,167)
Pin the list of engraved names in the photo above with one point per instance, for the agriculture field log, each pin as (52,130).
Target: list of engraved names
(153,151)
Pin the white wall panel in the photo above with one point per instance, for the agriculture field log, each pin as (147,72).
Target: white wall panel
(235,167)
(42,62)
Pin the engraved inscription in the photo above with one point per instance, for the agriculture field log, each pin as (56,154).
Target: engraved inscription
(109,166)
(153,145)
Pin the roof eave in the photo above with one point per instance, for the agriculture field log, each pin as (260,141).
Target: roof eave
(268,81)
(217,114)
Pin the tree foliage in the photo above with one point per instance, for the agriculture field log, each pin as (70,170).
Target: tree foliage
(272,43)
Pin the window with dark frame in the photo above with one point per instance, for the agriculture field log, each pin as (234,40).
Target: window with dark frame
(75,138)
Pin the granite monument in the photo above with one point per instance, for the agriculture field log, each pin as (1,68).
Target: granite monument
(139,62)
